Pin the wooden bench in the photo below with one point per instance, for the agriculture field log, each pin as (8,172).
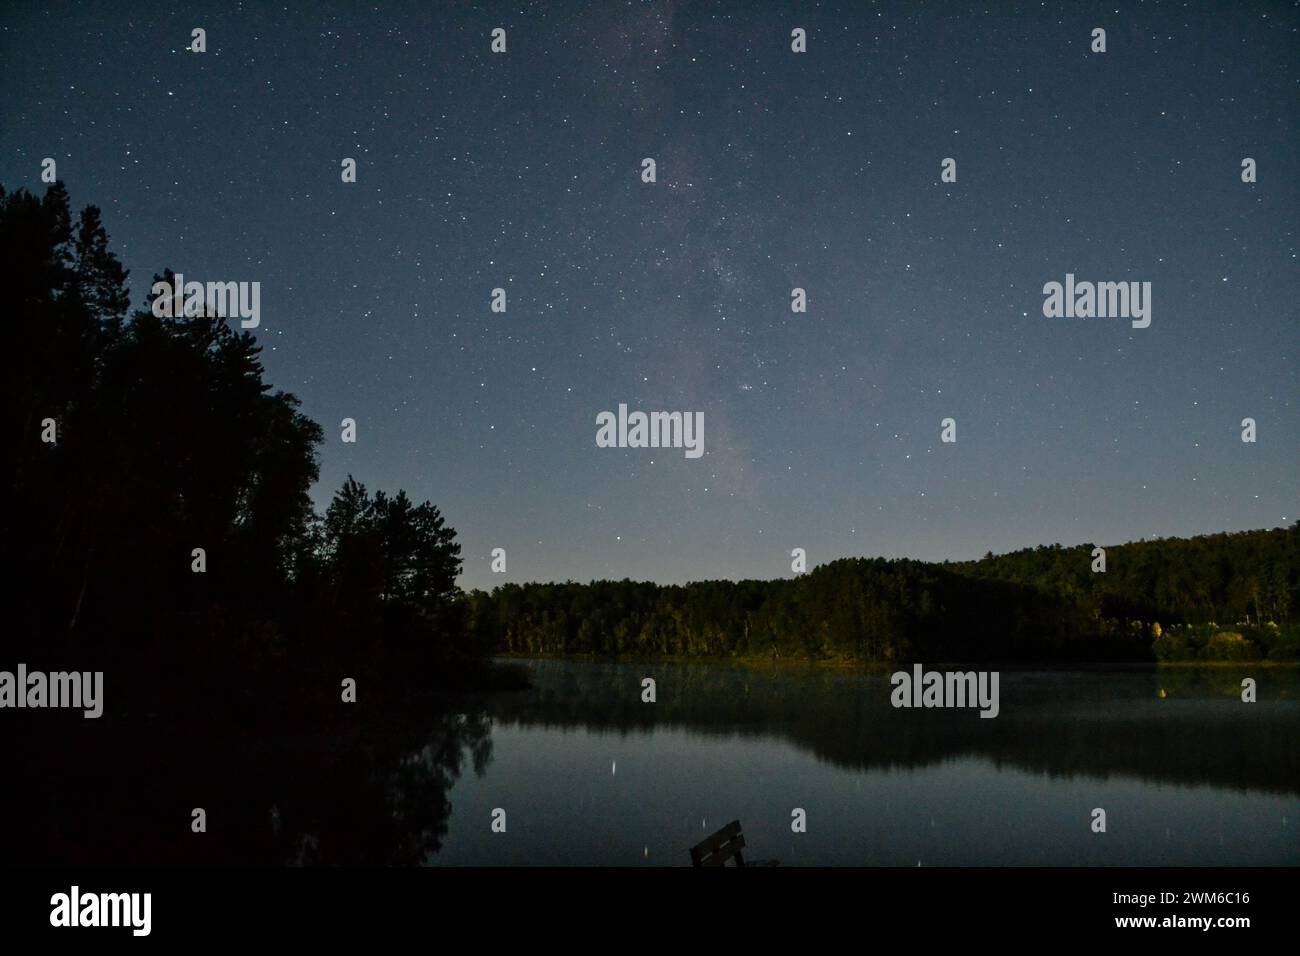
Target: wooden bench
(722,846)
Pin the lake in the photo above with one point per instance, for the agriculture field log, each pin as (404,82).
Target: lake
(588,774)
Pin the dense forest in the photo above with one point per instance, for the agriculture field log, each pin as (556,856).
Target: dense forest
(1216,597)
(158,511)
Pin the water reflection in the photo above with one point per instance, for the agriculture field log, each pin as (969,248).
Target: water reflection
(122,793)
(589,774)
(1194,779)
(1097,723)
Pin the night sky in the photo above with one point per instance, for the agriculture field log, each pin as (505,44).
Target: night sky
(775,170)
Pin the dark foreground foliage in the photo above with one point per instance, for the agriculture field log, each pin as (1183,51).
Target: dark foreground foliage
(167,439)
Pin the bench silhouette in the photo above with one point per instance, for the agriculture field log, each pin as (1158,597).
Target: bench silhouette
(726,844)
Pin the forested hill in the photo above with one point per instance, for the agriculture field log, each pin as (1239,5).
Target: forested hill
(1216,577)
(1222,596)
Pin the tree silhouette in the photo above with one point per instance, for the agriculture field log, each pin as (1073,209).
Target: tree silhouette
(169,440)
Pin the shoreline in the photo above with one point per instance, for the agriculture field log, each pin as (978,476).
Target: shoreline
(886,667)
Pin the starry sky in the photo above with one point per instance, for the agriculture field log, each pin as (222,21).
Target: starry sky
(775,170)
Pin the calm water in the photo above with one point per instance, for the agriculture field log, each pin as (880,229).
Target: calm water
(590,775)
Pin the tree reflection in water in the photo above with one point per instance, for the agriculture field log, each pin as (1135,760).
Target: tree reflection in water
(373,793)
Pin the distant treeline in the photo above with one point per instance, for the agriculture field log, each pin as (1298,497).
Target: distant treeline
(1215,597)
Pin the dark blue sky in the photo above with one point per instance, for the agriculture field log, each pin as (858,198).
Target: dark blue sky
(775,170)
